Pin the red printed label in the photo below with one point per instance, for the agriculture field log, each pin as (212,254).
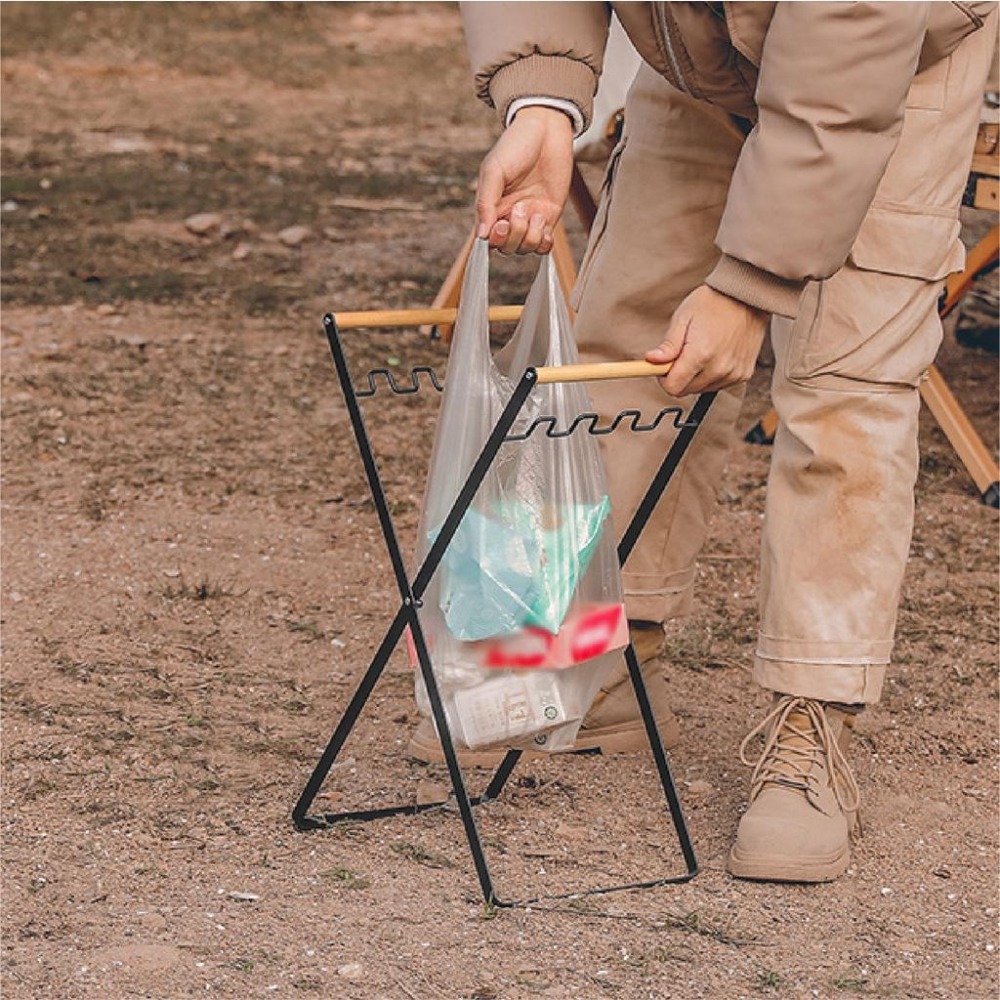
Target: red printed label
(595,633)
(595,630)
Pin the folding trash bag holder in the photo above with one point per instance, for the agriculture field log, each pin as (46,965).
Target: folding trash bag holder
(412,589)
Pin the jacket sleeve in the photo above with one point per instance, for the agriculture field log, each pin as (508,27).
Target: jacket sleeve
(536,50)
(831,96)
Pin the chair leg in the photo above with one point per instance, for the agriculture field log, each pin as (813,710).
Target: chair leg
(981,256)
(764,430)
(962,435)
(563,257)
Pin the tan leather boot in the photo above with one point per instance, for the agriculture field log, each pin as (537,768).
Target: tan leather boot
(803,797)
(613,724)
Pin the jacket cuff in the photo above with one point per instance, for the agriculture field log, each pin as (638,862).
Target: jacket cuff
(552,76)
(758,288)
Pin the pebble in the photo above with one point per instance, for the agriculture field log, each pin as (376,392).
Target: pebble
(353,970)
(203,223)
(431,791)
(10,206)
(241,251)
(244,897)
(293,236)
(701,789)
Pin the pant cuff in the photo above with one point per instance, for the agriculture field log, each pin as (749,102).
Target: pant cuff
(849,683)
(659,601)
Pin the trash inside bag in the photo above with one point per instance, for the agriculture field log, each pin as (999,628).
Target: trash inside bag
(510,570)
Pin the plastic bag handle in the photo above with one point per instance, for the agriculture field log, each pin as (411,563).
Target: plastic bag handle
(599,372)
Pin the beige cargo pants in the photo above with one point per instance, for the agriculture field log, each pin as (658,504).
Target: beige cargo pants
(839,507)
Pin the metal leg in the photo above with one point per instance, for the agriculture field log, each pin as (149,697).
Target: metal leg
(410,594)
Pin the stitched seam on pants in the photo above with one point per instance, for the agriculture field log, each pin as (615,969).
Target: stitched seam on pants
(823,661)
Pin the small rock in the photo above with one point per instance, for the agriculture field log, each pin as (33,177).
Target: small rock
(701,789)
(10,206)
(203,223)
(107,309)
(244,897)
(353,970)
(429,792)
(293,236)
(153,921)
(241,251)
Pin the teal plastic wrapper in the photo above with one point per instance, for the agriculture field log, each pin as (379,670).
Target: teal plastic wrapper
(508,571)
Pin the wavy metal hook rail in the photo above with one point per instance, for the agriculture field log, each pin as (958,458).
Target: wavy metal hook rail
(408,383)
(397,385)
(633,416)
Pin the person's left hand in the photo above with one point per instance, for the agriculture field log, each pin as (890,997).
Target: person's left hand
(713,342)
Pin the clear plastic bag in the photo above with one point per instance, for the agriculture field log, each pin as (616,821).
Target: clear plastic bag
(524,618)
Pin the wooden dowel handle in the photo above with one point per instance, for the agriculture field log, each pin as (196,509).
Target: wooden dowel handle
(600,371)
(500,314)
(417,317)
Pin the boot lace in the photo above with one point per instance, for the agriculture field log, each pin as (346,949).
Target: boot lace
(791,751)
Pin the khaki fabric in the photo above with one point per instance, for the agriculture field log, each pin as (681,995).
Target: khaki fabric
(650,245)
(823,84)
(840,494)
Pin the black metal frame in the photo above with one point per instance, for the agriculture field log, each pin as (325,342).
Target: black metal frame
(412,590)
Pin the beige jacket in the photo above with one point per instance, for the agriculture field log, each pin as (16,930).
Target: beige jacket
(823,85)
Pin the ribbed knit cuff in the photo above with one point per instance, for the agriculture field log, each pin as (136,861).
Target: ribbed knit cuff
(760,289)
(552,76)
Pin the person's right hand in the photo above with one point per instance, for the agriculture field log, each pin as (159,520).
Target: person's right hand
(524,181)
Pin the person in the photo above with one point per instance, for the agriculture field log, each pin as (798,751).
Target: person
(797,166)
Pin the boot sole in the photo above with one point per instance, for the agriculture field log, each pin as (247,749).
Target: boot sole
(629,737)
(779,869)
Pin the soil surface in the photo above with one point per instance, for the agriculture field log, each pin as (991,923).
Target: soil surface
(194,583)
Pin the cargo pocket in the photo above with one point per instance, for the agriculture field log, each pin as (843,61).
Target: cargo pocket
(598,229)
(929,88)
(875,322)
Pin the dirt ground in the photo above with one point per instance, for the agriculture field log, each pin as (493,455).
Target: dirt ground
(193,581)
